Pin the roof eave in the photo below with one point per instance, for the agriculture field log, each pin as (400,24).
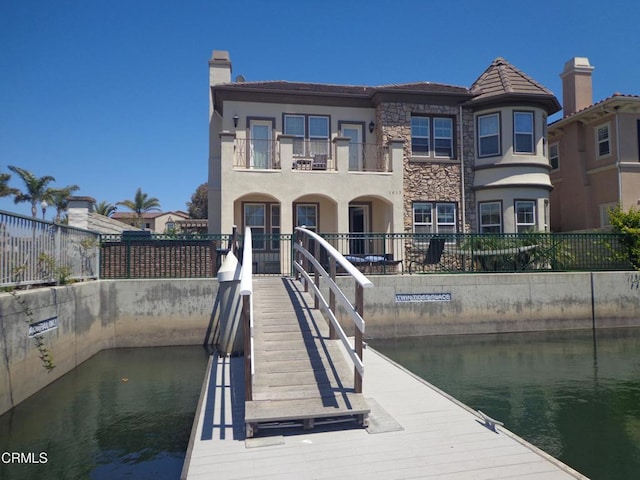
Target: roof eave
(548,102)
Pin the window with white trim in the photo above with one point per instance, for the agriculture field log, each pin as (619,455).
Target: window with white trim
(525,216)
(603,146)
(264,220)
(432,136)
(490,217)
(489,135)
(420,129)
(554,155)
(523,132)
(255,217)
(434,217)
(307,216)
(311,134)
(605,210)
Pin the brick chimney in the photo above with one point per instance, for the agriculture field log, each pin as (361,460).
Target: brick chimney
(219,67)
(577,91)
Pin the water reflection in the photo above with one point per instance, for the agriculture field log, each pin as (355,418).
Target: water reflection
(123,413)
(574,395)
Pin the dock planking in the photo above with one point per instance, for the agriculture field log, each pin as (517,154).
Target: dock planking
(300,374)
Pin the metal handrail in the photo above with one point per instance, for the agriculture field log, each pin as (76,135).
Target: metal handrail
(353,311)
(246,291)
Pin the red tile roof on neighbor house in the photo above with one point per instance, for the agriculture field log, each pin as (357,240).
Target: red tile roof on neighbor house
(617,99)
(149,215)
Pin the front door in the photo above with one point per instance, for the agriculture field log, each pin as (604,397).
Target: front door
(354,132)
(260,144)
(358,229)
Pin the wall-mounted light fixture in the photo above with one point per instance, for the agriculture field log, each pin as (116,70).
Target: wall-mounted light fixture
(371,126)
(235,121)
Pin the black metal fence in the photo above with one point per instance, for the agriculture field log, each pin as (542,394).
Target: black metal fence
(189,256)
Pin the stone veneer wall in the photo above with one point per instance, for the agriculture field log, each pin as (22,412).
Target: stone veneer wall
(434,180)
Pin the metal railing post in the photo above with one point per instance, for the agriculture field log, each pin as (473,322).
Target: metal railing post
(332,297)
(358,341)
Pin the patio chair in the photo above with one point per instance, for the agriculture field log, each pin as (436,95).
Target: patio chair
(432,255)
(319,161)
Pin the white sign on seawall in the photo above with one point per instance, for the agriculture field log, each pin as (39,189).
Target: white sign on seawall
(422,297)
(43,326)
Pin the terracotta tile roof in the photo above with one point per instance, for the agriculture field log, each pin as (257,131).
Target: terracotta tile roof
(503,78)
(615,98)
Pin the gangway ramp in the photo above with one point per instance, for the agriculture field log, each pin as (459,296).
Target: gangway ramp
(301,376)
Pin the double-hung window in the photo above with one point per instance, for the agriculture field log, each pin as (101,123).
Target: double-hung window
(434,217)
(318,135)
(554,156)
(490,217)
(255,217)
(264,220)
(525,216)
(310,132)
(489,135)
(307,216)
(523,138)
(420,129)
(295,125)
(432,136)
(602,140)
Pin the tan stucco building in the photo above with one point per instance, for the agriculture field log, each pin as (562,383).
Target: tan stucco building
(594,152)
(416,157)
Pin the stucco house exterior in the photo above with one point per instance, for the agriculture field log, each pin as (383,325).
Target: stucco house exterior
(158,222)
(417,157)
(594,152)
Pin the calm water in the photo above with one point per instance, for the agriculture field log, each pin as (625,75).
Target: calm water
(575,396)
(124,413)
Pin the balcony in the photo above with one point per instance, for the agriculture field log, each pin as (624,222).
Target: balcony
(315,155)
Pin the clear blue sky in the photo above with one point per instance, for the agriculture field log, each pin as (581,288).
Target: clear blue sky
(112,95)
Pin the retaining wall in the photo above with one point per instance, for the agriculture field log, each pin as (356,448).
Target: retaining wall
(93,316)
(404,305)
(103,314)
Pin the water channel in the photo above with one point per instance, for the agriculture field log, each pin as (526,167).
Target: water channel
(124,413)
(127,413)
(573,394)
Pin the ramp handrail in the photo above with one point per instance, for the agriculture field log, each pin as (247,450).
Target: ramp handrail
(246,291)
(304,257)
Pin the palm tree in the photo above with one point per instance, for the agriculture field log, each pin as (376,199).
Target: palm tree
(35,191)
(141,204)
(5,189)
(58,198)
(104,208)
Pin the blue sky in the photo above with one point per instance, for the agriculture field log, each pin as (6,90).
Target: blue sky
(112,95)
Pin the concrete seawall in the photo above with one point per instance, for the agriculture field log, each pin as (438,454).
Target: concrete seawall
(94,316)
(404,305)
(136,313)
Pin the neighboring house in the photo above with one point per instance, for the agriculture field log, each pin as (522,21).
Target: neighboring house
(418,157)
(81,215)
(158,222)
(594,152)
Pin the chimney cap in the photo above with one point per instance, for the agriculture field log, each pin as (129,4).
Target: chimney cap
(220,55)
(577,65)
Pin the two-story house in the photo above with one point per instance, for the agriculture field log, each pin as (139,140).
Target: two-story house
(594,151)
(417,157)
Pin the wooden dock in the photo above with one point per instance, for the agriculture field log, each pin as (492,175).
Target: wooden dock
(414,430)
(301,377)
